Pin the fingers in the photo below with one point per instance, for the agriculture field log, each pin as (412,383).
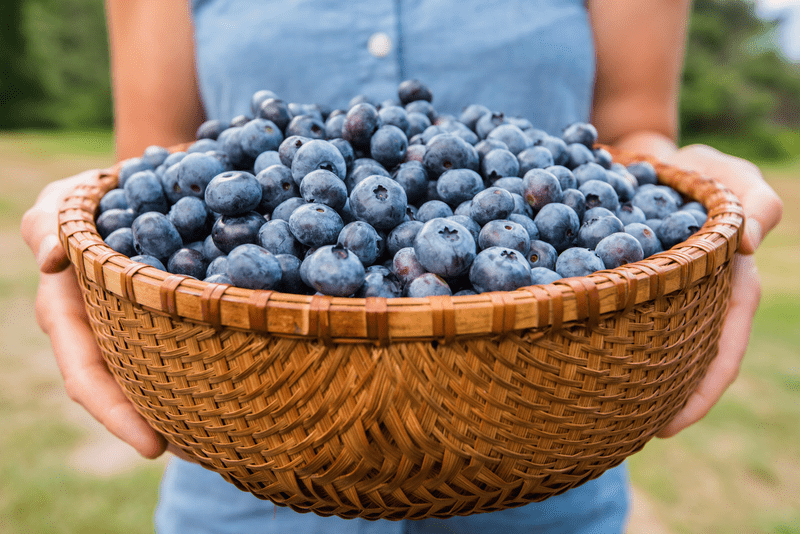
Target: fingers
(734,337)
(763,208)
(39,225)
(60,313)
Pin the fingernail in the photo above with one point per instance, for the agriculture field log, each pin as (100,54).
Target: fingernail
(45,248)
(753,230)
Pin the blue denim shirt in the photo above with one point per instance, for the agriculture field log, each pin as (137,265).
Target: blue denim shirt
(532,58)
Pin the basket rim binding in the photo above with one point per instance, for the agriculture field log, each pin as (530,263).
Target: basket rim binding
(382,320)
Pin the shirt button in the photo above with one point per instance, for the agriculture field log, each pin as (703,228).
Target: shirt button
(379,44)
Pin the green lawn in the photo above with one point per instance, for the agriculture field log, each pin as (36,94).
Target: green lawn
(736,471)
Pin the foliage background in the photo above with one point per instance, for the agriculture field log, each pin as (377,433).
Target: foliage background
(739,94)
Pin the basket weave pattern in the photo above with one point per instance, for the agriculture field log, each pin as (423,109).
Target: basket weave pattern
(412,408)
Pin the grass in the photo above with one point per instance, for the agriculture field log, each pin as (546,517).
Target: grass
(736,471)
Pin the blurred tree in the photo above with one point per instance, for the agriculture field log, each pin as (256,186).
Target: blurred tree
(739,92)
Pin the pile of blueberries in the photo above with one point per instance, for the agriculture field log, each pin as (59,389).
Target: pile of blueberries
(388,199)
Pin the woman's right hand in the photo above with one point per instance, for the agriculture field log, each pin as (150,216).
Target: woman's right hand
(61,314)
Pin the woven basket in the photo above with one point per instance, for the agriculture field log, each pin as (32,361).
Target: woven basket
(412,408)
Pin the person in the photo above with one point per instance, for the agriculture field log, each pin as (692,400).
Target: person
(616,63)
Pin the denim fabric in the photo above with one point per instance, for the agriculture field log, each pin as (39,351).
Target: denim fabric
(532,58)
(199,501)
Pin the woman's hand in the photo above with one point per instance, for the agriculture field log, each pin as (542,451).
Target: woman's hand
(763,210)
(61,314)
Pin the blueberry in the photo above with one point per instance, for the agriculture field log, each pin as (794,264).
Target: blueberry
(361,121)
(345,149)
(362,240)
(695,206)
(275,110)
(535,157)
(380,283)
(600,194)
(154,235)
(195,171)
(624,187)
(149,260)
(211,129)
(488,122)
(233,193)
(421,106)
(468,223)
(121,240)
(542,254)
(644,172)
(333,127)
(445,247)
(654,224)
(334,270)
(655,202)
(543,276)
(447,151)
(458,185)
(589,171)
(317,154)
(394,116)
(189,262)
(562,155)
(276,237)
(260,135)
(406,265)
(580,132)
(210,250)
(498,163)
(465,208)
(558,225)
(230,231)
(490,204)
(603,157)
(699,216)
(324,187)
(577,155)
(218,278)
(512,184)
(363,168)
(511,135)
(527,223)
(504,233)
(540,188)
(646,237)
(113,219)
(258,98)
(144,192)
(413,90)
(520,206)
(289,147)
(578,261)
(536,136)
(676,228)
(114,199)
(277,185)
(361,99)
(413,178)
(191,218)
(230,141)
(315,225)
(486,146)
(388,145)
(499,269)
(427,285)
(628,213)
(285,209)
(402,236)
(305,126)
(595,229)
(130,167)
(203,145)
(596,213)
(417,123)
(379,201)
(266,159)
(575,200)
(252,267)
(291,282)
(218,265)
(619,249)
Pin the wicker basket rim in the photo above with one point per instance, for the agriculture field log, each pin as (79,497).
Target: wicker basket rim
(382,320)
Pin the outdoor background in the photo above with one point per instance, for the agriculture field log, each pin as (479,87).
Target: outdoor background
(738,471)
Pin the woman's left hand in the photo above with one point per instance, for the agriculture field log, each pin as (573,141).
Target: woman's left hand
(763,210)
